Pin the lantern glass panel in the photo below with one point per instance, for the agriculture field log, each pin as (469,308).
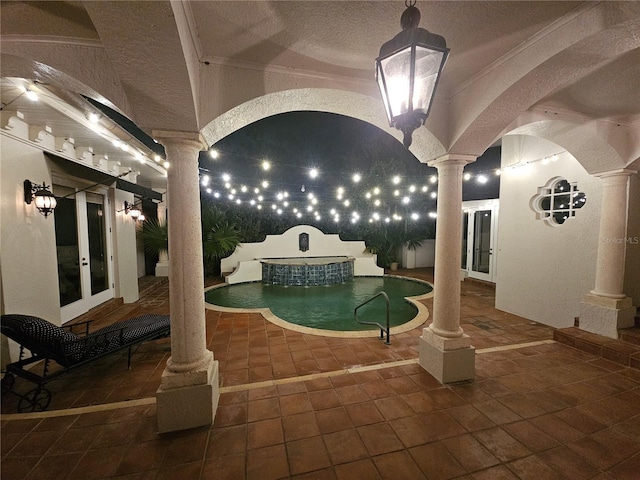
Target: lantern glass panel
(45,200)
(396,70)
(383,90)
(428,63)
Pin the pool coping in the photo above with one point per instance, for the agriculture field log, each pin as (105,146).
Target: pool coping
(421,317)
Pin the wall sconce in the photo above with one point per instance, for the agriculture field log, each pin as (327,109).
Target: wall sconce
(133,211)
(41,195)
(46,202)
(407,71)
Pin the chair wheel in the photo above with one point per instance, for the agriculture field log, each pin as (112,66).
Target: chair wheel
(36,399)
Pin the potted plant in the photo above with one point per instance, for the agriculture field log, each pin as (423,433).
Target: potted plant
(387,242)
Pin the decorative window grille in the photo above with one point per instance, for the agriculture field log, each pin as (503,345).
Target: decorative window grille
(558,201)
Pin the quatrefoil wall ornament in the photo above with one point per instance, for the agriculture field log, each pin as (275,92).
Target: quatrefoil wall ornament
(557,201)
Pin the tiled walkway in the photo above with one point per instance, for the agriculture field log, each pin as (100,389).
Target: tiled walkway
(303,406)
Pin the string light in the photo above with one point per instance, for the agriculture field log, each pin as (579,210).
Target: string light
(401,197)
(525,165)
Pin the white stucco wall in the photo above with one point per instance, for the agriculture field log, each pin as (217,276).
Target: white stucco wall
(125,256)
(422,256)
(543,271)
(632,274)
(246,267)
(28,255)
(29,264)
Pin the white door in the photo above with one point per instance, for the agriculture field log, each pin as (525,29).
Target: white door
(83,241)
(478,231)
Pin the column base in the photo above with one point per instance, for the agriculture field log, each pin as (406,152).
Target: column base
(605,316)
(181,407)
(162,269)
(449,360)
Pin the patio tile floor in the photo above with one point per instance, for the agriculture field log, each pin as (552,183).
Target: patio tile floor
(304,406)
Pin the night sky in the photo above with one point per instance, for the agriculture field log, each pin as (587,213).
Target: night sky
(337,147)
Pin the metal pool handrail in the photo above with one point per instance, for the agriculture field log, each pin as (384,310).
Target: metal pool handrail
(382,329)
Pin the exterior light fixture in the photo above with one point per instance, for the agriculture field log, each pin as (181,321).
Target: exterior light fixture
(133,211)
(31,94)
(44,200)
(407,71)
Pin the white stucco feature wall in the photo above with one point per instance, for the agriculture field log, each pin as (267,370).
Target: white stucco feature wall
(245,264)
(543,271)
(29,265)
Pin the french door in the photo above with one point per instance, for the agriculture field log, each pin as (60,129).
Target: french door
(478,239)
(83,245)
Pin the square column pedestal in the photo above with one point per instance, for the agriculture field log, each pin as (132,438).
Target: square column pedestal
(162,269)
(449,360)
(189,399)
(605,316)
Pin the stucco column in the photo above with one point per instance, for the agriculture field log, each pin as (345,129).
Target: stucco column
(607,309)
(188,393)
(445,350)
(162,267)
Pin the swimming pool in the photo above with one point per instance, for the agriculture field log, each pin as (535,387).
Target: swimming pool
(328,310)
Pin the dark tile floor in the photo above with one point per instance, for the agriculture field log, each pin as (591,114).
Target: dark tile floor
(304,406)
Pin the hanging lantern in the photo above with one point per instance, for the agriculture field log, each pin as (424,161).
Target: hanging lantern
(407,71)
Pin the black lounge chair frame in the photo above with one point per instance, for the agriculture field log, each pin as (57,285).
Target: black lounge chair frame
(46,342)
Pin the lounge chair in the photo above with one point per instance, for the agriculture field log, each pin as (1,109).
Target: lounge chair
(46,342)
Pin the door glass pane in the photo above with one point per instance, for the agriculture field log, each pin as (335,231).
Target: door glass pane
(482,241)
(465,227)
(67,251)
(97,243)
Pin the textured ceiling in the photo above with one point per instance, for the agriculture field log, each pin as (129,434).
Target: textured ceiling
(345,37)
(153,52)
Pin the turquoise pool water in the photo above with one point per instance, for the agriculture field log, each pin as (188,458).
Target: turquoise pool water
(327,307)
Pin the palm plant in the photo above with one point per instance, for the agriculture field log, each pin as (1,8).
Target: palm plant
(154,236)
(220,238)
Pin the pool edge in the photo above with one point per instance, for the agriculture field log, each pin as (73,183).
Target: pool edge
(421,317)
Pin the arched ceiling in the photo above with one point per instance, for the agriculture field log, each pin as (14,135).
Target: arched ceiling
(173,65)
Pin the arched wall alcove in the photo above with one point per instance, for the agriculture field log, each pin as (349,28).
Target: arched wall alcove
(598,146)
